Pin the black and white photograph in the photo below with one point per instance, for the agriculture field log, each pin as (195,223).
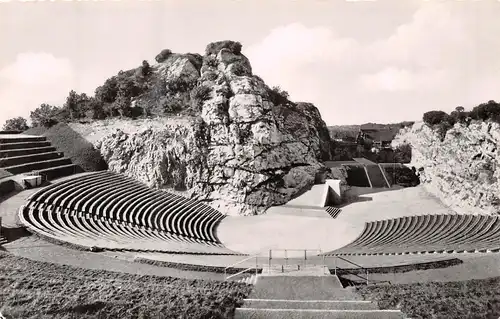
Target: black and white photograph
(250,159)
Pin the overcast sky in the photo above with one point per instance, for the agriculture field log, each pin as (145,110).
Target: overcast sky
(357,61)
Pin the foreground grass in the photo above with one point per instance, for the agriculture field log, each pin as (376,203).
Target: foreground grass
(32,289)
(472,299)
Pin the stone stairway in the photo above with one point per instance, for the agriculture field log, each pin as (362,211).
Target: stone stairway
(22,154)
(310,294)
(376,176)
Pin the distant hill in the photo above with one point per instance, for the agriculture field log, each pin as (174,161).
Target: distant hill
(349,132)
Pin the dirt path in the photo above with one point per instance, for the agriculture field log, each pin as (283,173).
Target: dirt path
(35,248)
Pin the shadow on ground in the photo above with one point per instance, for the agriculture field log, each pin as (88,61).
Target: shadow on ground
(14,233)
(357,199)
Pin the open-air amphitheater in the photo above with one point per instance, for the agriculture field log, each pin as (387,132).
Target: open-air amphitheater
(302,258)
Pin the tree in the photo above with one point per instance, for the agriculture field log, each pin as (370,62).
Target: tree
(278,96)
(485,111)
(459,109)
(146,68)
(45,115)
(436,117)
(108,91)
(16,124)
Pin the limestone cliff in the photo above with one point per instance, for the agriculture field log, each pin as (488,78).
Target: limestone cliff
(245,148)
(463,169)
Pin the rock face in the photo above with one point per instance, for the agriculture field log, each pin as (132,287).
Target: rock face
(242,153)
(462,170)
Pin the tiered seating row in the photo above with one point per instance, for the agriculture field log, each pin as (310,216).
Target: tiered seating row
(21,154)
(333,211)
(444,233)
(120,212)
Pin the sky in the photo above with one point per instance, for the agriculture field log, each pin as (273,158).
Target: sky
(358,61)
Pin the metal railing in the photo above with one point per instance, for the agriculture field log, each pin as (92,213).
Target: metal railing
(359,267)
(295,262)
(302,260)
(256,267)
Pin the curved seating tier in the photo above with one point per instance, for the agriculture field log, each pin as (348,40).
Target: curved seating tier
(111,211)
(443,233)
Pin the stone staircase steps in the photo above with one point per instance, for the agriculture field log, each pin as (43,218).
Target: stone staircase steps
(23,145)
(30,158)
(251,313)
(26,151)
(28,167)
(308,297)
(311,304)
(22,139)
(23,154)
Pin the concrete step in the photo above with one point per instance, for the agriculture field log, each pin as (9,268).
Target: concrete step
(60,171)
(31,158)
(28,167)
(250,313)
(376,177)
(23,145)
(301,288)
(310,304)
(22,139)
(26,151)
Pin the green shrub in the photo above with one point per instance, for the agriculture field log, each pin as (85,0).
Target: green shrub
(210,61)
(45,115)
(107,92)
(145,68)
(459,117)
(122,105)
(76,105)
(172,104)
(179,85)
(278,96)
(442,129)
(163,55)
(486,111)
(402,154)
(435,117)
(401,175)
(215,47)
(16,124)
(129,87)
(199,95)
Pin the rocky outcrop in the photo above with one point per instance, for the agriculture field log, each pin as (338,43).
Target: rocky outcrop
(463,169)
(243,152)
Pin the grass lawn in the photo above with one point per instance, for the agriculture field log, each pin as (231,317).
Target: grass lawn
(32,289)
(471,299)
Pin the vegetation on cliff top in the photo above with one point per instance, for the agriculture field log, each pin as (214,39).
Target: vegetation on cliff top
(143,92)
(442,121)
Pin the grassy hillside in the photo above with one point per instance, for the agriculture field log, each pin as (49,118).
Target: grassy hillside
(32,289)
(73,145)
(472,299)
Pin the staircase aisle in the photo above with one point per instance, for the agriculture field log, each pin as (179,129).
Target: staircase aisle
(22,154)
(314,296)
